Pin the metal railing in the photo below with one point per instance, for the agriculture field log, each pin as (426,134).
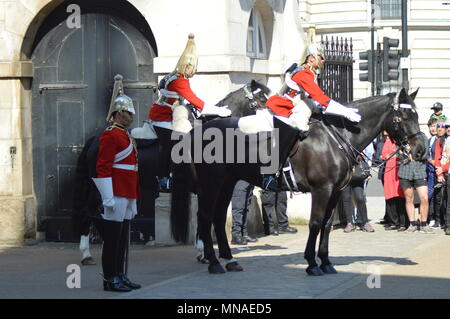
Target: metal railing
(336,78)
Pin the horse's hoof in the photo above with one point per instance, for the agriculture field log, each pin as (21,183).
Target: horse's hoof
(202,260)
(88,261)
(314,271)
(234,266)
(328,269)
(216,269)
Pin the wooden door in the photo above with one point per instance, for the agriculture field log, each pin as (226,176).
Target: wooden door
(74,72)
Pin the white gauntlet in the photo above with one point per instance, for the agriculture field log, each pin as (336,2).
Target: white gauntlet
(105,187)
(221,111)
(338,109)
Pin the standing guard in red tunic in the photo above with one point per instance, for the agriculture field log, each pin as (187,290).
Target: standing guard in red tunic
(170,113)
(118,183)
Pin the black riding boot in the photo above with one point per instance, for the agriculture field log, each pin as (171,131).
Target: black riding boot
(122,256)
(110,232)
(287,136)
(165,161)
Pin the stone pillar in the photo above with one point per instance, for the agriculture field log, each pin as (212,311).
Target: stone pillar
(17,204)
(17,212)
(163,233)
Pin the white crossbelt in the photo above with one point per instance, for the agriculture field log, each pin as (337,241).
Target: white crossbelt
(128,167)
(124,154)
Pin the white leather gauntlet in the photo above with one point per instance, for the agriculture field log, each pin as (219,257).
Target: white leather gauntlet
(221,111)
(105,187)
(339,109)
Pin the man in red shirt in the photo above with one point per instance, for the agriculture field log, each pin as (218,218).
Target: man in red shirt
(118,183)
(169,111)
(289,107)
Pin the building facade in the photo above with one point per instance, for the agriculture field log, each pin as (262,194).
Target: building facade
(428,41)
(58,59)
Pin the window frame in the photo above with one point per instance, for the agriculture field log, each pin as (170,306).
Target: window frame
(388,6)
(256,26)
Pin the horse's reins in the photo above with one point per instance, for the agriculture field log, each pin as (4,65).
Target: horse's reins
(352,153)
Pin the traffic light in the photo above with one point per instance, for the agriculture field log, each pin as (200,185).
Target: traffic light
(366,66)
(391,59)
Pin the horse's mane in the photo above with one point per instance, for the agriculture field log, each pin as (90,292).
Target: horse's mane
(253,86)
(366,101)
(371,99)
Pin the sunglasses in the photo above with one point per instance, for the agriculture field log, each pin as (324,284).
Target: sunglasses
(441,125)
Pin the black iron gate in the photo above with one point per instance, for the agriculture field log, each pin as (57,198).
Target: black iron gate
(336,78)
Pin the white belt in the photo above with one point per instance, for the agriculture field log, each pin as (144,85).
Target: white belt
(127,167)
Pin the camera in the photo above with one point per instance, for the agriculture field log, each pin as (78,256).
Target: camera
(438,185)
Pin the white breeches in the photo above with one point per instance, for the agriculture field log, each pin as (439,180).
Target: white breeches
(180,119)
(124,208)
(300,116)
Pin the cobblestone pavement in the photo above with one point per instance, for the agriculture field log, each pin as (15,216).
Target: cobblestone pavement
(274,268)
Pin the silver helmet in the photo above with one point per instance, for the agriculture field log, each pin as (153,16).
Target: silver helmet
(119,101)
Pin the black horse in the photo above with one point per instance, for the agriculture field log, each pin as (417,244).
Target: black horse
(87,201)
(322,165)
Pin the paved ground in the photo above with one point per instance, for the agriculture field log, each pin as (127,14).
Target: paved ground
(273,268)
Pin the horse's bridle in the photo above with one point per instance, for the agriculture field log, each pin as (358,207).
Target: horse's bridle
(401,137)
(250,95)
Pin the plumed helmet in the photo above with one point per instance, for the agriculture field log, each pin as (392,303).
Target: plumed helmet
(188,58)
(119,101)
(312,48)
(315,49)
(437,106)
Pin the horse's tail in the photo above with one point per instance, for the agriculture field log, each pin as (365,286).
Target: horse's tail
(81,192)
(182,179)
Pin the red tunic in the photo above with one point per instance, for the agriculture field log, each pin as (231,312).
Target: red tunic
(391,181)
(125,182)
(438,156)
(163,113)
(305,79)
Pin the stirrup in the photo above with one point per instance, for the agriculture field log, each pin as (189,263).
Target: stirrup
(270,184)
(165,185)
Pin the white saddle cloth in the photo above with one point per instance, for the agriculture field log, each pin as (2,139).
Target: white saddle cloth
(145,132)
(262,121)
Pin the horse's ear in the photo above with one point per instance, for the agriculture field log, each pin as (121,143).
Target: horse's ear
(401,96)
(253,85)
(413,95)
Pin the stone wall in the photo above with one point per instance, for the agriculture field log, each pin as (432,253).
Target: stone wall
(17,208)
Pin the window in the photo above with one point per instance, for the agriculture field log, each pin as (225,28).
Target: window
(388,9)
(256,38)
